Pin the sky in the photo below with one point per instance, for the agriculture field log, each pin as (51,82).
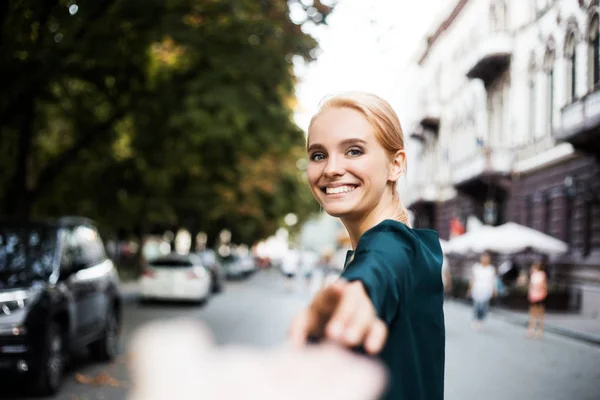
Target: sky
(368,45)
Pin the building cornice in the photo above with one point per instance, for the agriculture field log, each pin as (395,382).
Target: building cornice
(446,23)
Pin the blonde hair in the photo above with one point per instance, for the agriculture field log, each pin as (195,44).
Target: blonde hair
(382,117)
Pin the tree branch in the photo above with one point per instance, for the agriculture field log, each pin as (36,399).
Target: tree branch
(100,11)
(53,169)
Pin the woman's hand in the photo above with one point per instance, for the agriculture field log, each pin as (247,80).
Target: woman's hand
(342,313)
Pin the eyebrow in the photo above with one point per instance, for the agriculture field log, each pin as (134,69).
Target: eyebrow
(344,142)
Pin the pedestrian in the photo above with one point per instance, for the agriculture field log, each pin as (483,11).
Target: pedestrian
(289,267)
(482,288)
(537,293)
(389,299)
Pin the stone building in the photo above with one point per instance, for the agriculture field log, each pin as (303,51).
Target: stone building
(508,126)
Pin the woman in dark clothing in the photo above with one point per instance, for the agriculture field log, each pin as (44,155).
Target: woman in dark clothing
(389,300)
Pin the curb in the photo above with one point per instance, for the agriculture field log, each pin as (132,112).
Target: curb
(548,327)
(570,333)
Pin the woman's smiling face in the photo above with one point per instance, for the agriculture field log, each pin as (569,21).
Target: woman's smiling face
(348,169)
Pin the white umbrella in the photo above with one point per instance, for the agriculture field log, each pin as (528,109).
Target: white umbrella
(513,238)
(444,245)
(468,242)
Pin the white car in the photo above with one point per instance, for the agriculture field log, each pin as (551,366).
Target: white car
(176,277)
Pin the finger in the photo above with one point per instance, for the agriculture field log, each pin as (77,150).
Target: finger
(376,337)
(300,328)
(325,303)
(347,305)
(359,324)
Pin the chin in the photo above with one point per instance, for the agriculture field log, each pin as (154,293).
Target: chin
(337,210)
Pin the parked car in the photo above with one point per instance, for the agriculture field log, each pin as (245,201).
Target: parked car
(247,264)
(58,293)
(176,277)
(211,261)
(233,267)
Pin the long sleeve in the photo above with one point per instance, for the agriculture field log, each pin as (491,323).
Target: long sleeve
(385,283)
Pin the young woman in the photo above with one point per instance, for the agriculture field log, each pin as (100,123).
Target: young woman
(537,294)
(389,300)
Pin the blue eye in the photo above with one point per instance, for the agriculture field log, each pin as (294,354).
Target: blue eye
(355,152)
(317,156)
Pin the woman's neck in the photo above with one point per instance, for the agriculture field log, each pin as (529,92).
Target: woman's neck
(385,209)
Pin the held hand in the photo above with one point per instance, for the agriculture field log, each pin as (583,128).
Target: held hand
(179,360)
(344,314)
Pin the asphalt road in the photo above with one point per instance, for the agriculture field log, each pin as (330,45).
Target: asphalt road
(496,363)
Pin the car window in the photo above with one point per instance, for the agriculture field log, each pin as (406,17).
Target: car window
(26,254)
(164,262)
(71,251)
(92,249)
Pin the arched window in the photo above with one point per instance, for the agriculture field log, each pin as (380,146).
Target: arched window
(532,99)
(549,59)
(571,70)
(593,52)
(497,16)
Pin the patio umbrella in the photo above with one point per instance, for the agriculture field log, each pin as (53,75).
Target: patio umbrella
(511,238)
(469,242)
(444,245)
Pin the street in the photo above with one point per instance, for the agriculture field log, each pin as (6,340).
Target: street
(497,363)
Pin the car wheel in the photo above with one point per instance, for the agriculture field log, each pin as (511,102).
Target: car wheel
(107,347)
(53,362)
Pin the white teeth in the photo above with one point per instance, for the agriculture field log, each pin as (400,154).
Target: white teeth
(339,189)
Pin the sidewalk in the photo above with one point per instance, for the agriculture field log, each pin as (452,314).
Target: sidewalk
(574,326)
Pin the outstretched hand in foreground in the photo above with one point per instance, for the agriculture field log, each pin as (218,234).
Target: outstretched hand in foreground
(178,360)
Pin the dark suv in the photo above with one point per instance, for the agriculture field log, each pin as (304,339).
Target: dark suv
(58,293)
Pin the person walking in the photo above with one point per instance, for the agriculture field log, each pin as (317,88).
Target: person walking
(537,293)
(482,288)
(389,300)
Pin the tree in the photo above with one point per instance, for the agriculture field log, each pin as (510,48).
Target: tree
(174,112)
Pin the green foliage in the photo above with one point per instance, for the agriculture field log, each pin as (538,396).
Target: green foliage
(145,113)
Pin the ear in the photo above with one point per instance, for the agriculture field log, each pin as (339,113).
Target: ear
(397,167)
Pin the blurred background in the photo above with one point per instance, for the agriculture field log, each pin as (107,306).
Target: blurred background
(176,130)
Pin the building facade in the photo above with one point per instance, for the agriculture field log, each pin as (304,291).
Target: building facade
(508,127)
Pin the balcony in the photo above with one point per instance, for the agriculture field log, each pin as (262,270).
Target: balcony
(418,133)
(488,170)
(490,57)
(422,194)
(580,123)
(430,119)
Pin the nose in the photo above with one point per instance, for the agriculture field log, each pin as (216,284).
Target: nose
(334,167)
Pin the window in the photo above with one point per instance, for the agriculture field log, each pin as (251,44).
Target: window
(532,100)
(529,211)
(498,16)
(547,212)
(549,70)
(71,251)
(571,70)
(92,249)
(593,53)
(587,242)
(550,99)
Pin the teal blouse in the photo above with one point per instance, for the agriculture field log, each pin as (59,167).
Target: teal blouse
(400,269)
